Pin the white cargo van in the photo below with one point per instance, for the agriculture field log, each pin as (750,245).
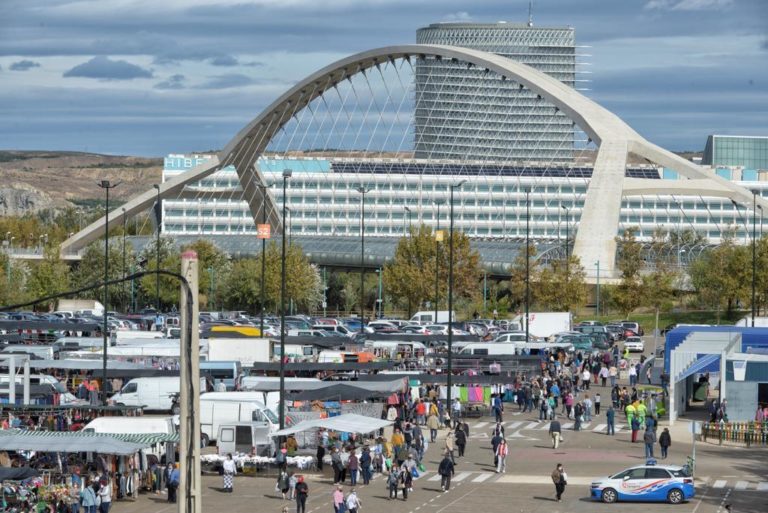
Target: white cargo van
(428,317)
(243,437)
(217,408)
(154,394)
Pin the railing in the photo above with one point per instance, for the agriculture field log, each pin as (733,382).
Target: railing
(749,433)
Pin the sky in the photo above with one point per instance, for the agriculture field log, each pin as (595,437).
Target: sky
(149,77)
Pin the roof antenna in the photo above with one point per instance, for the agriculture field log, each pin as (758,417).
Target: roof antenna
(530,13)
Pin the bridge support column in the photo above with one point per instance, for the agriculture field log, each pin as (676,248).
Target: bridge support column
(599,222)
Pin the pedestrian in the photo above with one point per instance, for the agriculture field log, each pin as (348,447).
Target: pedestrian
(461,440)
(336,465)
(498,407)
(293,480)
(406,477)
(88,497)
(282,484)
(495,441)
(635,426)
(433,423)
(603,375)
(456,407)
(353,502)
(501,456)
(610,414)
(597,404)
(632,375)
(450,445)
(555,433)
(105,494)
(650,439)
(353,465)
(366,464)
(339,504)
(578,416)
(560,479)
(393,481)
(586,377)
(588,408)
(320,455)
(446,470)
(230,469)
(173,483)
(302,491)
(665,440)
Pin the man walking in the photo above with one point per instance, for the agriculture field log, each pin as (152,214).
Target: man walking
(446,470)
(650,439)
(610,415)
(597,403)
(559,479)
(555,432)
(461,440)
(665,440)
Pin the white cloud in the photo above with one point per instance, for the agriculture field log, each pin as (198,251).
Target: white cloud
(687,5)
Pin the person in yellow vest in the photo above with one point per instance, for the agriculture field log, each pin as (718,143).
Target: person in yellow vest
(630,412)
(642,411)
(397,439)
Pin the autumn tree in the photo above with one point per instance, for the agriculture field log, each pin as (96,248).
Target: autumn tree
(516,284)
(562,286)
(626,295)
(48,277)
(722,275)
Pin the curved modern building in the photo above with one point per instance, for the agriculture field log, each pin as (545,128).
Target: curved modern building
(512,124)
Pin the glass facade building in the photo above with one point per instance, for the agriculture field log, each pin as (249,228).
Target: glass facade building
(463,113)
(323,200)
(747,152)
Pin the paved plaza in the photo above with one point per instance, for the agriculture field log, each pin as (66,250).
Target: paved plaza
(724,475)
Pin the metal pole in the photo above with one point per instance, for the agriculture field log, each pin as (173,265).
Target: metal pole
(106,185)
(157,249)
(485,292)
(325,294)
(381,301)
(263,258)
(437,265)
(449,379)
(362,191)
(122,302)
(597,303)
(190,487)
(527,259)
(286,175)
(754,254)
(567,243)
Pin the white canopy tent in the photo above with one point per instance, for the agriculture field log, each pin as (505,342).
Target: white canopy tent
(346,423)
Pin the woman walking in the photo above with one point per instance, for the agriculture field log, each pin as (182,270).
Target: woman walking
(501,456)
(559,478)
(353,502)
(665,440)
(338,500)
(229,473)
(88,497)
(283,483)
(302,491)
(461,439)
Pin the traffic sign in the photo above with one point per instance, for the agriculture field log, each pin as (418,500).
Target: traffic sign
(263,231)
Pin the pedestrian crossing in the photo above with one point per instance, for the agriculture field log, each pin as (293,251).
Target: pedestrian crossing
(543,425)
(738,485)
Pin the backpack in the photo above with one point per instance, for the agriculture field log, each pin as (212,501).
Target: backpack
(280,458)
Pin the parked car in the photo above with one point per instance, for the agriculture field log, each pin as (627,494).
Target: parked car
(634,345)
(646,483)
(590,323)
(414,329)
(634,326)
(616,331)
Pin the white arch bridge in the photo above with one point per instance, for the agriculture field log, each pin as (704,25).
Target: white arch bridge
(599,220)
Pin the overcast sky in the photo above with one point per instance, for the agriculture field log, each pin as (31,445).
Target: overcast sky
(152,77)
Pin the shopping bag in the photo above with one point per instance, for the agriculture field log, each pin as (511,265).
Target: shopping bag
(414,473)
(421,467)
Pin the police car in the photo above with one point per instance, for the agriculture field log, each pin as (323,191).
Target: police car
(649,482)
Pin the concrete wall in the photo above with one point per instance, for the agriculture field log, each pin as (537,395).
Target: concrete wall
(742,395)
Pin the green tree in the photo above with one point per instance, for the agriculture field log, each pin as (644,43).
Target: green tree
(659,285)
(170,289)
(626,296)
(410,277)
(13,280)
(303,285)
(90,271)
(562,288)
(48,277)
(722,275)
(516,284)
(212,267)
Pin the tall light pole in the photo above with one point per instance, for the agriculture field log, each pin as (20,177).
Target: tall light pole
(450,297)
(122,302)
(597,303)
(381,299)
(408,214)
(263,256)
(527,259)
(437,261)
(754,251)
(159,213)
(286,175)
(106,185)
(567,243)
(363,191)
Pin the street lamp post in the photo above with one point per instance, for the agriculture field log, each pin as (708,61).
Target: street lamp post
(597,303)
(567,243)
(437,262)
(754,252)
(527,259)
(263,257)
(106,185)
(381,300)
(124,262)
(449,380)
(363,191)
(157,247)
(408,215)
(286,175)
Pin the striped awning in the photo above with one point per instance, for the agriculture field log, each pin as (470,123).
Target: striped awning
(79,441)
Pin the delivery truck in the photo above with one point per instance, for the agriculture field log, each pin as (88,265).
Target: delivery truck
(545,324)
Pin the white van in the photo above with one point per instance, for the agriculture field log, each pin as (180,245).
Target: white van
(334,329)
(243,438)
(218,408)
(121,425)
(428,317)
(65,398)
(152,393)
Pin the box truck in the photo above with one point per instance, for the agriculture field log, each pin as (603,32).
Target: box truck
(545,324)
(217,408)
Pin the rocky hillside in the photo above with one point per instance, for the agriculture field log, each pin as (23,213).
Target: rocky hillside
(35,180)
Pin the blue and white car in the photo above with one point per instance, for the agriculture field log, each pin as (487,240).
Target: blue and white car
(646,483)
